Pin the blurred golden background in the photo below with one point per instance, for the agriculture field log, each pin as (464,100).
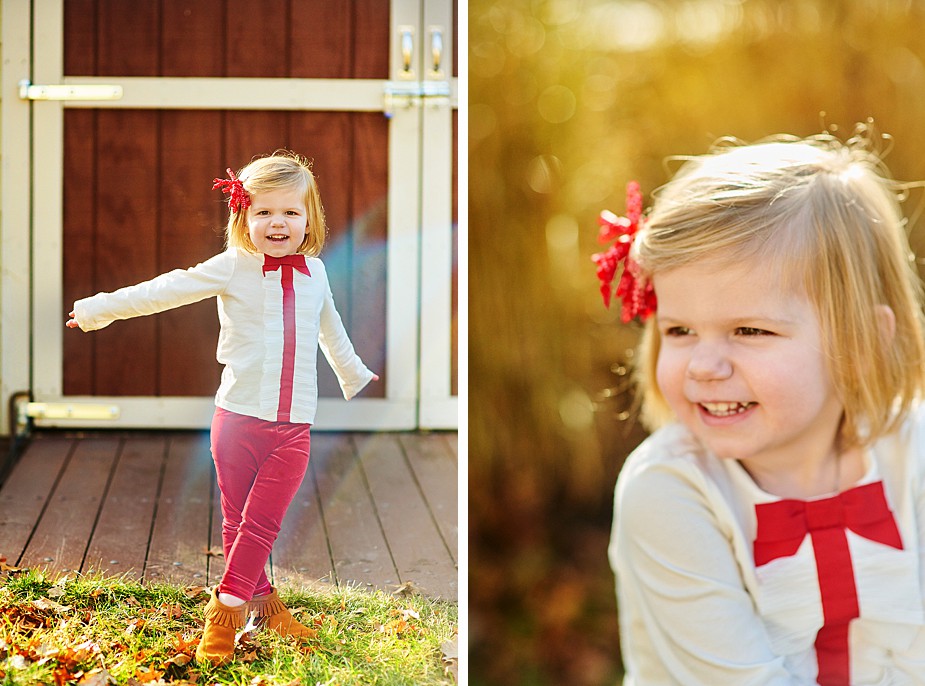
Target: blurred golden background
(569,100)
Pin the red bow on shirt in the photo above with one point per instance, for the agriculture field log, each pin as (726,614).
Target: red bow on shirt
(783,525)
(297,262)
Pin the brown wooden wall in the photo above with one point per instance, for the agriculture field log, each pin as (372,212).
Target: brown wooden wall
(137,195)
(237,38)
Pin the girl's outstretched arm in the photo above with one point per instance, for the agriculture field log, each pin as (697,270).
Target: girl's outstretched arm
(173,289)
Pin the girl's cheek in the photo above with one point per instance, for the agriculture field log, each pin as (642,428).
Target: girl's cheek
(670,371)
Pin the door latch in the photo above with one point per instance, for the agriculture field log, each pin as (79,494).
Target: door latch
(408,94)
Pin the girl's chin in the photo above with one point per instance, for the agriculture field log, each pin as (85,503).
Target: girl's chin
(725,447)
(276,250)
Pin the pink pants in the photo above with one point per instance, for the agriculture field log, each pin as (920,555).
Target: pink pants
(259,466)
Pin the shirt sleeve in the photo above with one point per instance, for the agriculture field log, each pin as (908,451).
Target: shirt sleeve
(905,462)
(173,289)
(351,373)
(686,617)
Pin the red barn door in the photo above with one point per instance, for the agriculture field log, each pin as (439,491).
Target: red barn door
(123,189)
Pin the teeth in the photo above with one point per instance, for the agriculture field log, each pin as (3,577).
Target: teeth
(725,409)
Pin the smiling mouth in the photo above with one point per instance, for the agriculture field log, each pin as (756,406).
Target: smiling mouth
(726,409)
(277,237)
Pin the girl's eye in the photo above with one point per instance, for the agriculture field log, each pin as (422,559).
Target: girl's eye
(677,331)
(752,331)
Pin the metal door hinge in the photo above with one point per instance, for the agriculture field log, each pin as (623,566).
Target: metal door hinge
(30,91)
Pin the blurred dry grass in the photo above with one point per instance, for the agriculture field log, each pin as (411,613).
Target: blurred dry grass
(570,99)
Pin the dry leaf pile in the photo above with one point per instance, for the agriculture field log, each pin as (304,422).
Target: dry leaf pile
(101,632)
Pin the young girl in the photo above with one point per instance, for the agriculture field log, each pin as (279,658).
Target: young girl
(772,529)
(275,308)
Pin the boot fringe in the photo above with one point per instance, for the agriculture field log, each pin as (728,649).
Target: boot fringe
(232,618)
(266,606)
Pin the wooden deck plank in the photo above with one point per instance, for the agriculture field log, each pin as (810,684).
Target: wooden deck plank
(301,554)
(61,537)
(119,544)
(435,470)
(452,440)
(417,547)
(27,490)
(358,546)
(181,528)
(77,501)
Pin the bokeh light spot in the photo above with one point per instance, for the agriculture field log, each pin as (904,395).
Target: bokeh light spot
(557,104)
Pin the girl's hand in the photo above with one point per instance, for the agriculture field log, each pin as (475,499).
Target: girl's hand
(375,377)
(71,323)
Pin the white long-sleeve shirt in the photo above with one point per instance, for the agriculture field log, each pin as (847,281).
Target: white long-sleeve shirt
(251,341)
(696,609)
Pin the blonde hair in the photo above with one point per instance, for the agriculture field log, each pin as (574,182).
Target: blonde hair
(826,216)
(281,170)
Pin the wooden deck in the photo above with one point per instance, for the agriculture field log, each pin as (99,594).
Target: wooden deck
(375,510)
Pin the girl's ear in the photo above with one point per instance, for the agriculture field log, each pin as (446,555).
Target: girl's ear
(886,321)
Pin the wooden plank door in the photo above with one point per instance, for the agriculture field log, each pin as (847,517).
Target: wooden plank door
(122,187)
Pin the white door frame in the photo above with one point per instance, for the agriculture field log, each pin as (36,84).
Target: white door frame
(398,410)
(15,206)
(439,408)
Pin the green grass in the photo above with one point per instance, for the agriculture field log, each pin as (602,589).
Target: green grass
(99,630)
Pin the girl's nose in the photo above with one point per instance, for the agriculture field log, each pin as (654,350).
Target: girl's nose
(709,362)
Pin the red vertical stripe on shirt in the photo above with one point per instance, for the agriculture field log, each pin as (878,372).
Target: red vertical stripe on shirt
(288,371)
(839,595)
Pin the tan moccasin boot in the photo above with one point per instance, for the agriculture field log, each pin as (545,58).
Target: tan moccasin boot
(272,614)
(222,623)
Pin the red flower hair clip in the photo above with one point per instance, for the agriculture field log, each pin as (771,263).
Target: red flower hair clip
(637,293)
(238,199)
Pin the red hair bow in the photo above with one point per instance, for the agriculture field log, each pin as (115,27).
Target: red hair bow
(238,199)
(637,293)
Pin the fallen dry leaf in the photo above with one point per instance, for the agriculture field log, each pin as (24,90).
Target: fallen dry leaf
(450,657)
(194,591)
(242,637)
(172,610)
(398,627)
(5,567)
(146,676)
(50,606)
(97,677)
(134,625)
(407,588)
(185,645)
(180,660)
